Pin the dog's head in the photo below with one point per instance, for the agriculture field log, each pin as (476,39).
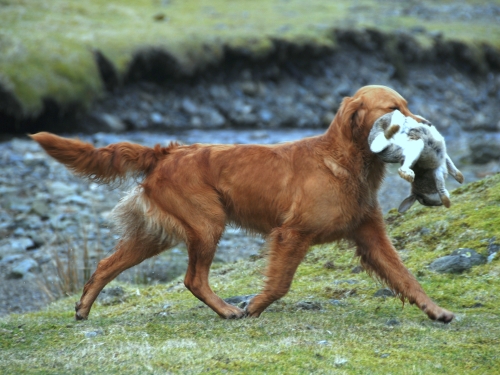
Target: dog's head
(358,113)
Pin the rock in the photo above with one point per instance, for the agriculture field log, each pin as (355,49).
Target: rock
(450,264)
(392,322)
(240,301)
(156,118)
(481,122)
(33,160)
(9,259)
(93,334)
(78,199)
(23,268)
(475,258)
(484,149)
(189,106)
(357,269)
(41,208)
(21,244)
(329,265)
(460,260)
(349,281)
(111,295)
(112,123)
(493,247)
(385,292)
(308,305)
(61,189)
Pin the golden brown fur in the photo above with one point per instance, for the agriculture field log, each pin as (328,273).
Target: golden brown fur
(312,191)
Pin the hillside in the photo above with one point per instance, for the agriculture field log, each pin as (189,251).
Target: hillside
(329,322)
(71,53)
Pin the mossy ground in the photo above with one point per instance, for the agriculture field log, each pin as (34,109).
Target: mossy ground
(46,46)
(164,329)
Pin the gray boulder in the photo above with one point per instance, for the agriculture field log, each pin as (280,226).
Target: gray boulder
(458,261)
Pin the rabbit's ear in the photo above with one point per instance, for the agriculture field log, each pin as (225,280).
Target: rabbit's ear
(407,203)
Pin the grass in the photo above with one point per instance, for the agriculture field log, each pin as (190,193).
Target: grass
(164,329)
(46,46)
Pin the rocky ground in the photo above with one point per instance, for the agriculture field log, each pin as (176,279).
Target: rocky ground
(49,219)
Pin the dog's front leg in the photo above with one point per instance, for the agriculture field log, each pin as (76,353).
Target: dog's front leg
(379,257)
(287,248)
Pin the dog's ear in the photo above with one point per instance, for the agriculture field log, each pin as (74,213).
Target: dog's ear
(352,116)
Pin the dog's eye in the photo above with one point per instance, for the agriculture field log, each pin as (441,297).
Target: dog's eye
(395,108)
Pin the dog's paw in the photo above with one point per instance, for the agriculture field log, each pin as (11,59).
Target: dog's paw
(79,314)
(232,312)
(406,174)
(439,314)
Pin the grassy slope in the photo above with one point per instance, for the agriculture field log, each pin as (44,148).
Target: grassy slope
(45,46)
(161,329)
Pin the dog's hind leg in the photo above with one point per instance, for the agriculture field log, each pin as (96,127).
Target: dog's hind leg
(128,253)
(202,245)
(379,257)
(287,248)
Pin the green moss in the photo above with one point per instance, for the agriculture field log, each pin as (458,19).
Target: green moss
(163,328)
(46,46)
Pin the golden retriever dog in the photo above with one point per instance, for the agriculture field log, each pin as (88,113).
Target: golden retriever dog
(297,194)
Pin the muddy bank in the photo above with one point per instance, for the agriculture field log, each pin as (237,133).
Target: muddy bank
(289,84)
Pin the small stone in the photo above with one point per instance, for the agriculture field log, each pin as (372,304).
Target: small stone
(475,258)
(156,118)
(113,123)
(240,301)
(93,334)
(308,305)
(34,159)
(329,265)
(41,208)
(357,269)
(189,106)
(392,322)
(23,268)
(425,231)
(111,295)
(384,292)
(249,88)
(75,199)
(21,244)
(451,264)
(62,189)
(348,281)
(460,260)
(9,259)
(339,362)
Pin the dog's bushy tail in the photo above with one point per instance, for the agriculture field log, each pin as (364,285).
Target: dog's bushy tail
(103,165)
